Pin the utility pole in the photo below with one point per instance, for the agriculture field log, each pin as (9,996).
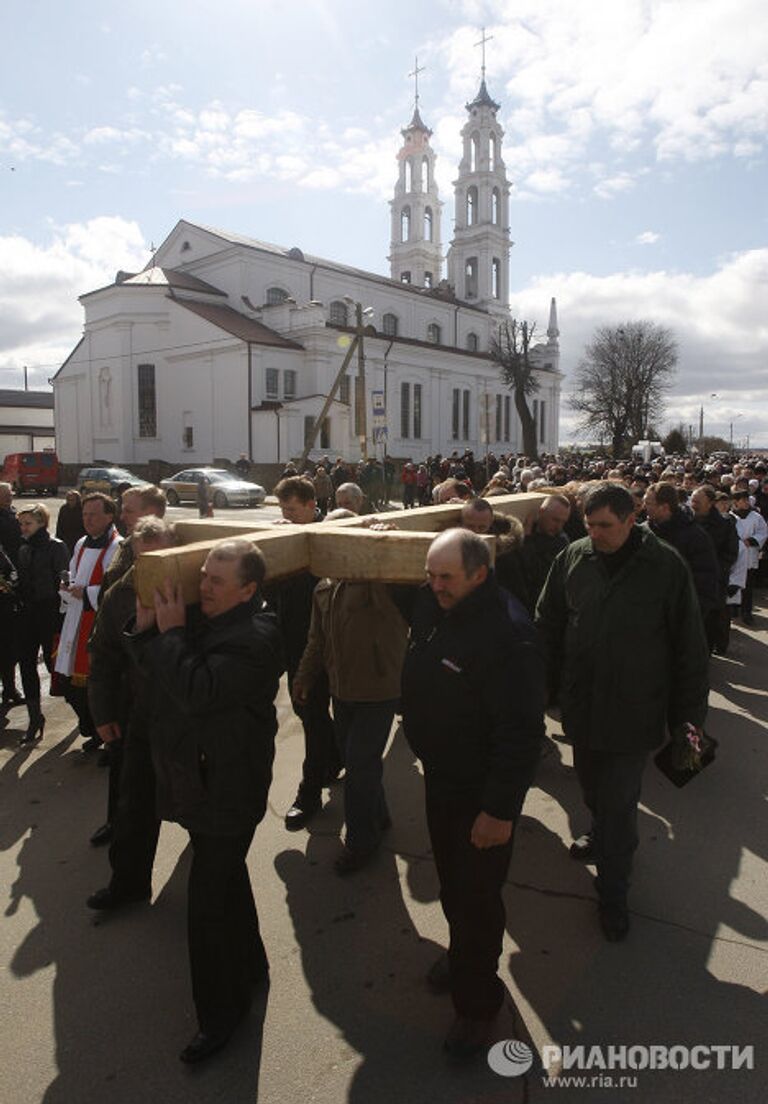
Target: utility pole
(309,444)
(26,381)
(361,385)
(701,421)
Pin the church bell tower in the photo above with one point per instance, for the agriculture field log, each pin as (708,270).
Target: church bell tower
(415,252)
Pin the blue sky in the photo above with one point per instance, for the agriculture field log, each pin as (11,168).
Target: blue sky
(635,140)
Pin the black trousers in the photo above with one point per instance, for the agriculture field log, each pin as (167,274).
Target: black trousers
(135,826)
(226,952)
(717,625)
(611,783)
(77,698)
(747,594)
(471,883)
(321,752)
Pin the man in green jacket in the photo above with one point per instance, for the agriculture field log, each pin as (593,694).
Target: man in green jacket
(628,661)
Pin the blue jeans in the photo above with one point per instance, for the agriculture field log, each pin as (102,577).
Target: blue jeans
(362,731)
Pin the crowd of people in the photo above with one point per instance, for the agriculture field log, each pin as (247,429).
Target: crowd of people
(179,702)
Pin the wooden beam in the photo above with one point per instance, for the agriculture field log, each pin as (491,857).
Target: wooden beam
(386,557)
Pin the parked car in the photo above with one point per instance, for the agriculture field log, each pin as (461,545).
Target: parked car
(226,489)
(31,471)
(112,481)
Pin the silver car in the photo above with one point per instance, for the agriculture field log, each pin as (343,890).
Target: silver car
(224,488)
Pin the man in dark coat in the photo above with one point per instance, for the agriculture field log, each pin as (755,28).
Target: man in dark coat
(212,729)
(543,544)
(626,649)
(473,706)
(721,530)
(676,525)
(10,532)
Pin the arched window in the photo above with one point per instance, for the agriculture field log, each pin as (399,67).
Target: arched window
(429,280)
(495,207)
(433,333)
(275,296)
(493,152)
(389,325)
(496,278)
(426,183)
(408,175)
(474,152)
(471,205)
(470,278)
(427,224)
(472,342)
(405,224)
(338,315)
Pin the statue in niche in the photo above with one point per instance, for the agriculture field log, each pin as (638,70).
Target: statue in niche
(105,398)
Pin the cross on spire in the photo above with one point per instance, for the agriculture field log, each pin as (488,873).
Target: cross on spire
(485,38)
(415,75)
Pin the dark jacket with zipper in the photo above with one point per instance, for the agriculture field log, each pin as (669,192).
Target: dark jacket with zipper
(696,548)
(626,647)
(721,530)
(473,697)
(212,718)
(42,558)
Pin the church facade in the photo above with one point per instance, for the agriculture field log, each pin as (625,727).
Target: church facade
(225,345)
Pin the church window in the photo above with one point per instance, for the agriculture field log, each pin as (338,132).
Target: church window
(405,277)
(498,417)
(494,152)
(471,206)
(472,342)
(465,416)
(405,224)
(289,383)
(275,296)
(389,325)
(417,411)
(433,333)
(189,437)
(426,182)
(495,207)
(496,278)
(271,381)
(507,416)
(309,425)
(428,224)
(338,313)
(147,400)
(428,280)
(405,410)
(455,414)
(408,175)
(325,433)
(470,278)
(474,153)
(344,390)
(542,420)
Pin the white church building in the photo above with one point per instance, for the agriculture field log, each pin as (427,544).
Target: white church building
(225,345)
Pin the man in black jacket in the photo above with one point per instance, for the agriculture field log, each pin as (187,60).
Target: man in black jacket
(473,706)
(675,524)
(212,731)
(721,530)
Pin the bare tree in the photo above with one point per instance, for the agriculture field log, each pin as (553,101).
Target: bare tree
(509,349)
(622,381)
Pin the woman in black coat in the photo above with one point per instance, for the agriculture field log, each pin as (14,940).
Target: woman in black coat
(69,525)
(42,559)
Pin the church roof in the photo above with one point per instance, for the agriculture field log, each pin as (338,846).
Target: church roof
(483,98)
(320,262)
(170,277)
(417,123)
(239,325)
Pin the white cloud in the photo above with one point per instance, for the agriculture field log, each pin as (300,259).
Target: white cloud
(720,322)
(40,317)
(648,237)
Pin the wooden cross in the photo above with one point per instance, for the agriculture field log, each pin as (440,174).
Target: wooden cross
(415,75)
(485,38)
(343,549)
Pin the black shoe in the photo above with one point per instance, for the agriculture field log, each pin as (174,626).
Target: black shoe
(107,899)
(583,848)
(614,920)
(203,1045)
(93,743)
(13,699)
(34,732)
(468,1037)
(439,976)
(349,862)
(747,619)
(301,812)
(102,836)
(333,776)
